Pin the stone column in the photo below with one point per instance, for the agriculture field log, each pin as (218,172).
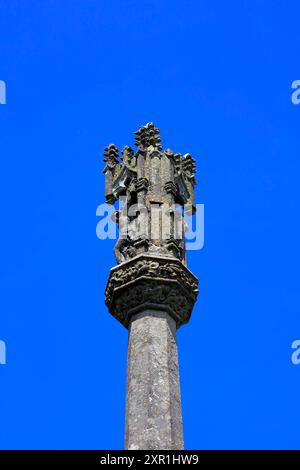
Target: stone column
(153,405)
(151,291)
(152,297)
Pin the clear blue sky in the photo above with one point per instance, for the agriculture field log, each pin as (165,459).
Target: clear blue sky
(216,78)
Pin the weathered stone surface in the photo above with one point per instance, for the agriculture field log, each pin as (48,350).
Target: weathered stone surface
(154,183)
(153,405)
(161,283)
(151,291)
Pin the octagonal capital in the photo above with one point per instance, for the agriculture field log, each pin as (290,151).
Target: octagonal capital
(151,282)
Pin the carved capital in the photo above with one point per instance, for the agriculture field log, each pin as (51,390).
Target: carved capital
(159,283)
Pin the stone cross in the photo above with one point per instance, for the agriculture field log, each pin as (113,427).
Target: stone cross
(151,291)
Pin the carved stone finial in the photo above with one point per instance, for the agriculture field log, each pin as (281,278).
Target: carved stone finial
(189,167)
(147,136)
(111,157)
(177,162)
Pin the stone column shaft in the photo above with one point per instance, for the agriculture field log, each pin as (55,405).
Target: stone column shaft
(153,405)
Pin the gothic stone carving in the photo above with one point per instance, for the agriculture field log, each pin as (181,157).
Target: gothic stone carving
(151,282)
(146,179)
